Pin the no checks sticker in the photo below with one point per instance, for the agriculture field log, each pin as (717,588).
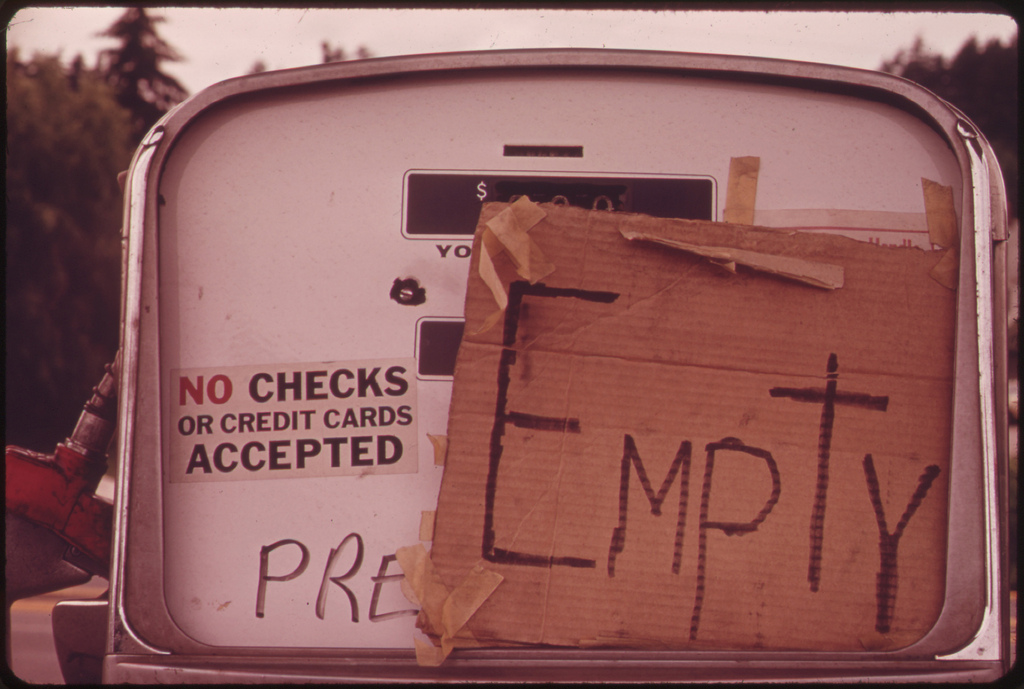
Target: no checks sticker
(292,421)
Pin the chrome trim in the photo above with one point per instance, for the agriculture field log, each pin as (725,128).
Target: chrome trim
(547,666)
(985,644)
(134,223)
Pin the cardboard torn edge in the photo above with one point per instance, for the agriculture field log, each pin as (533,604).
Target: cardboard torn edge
(816,274)
(444,613)
(741,190)
(440,444)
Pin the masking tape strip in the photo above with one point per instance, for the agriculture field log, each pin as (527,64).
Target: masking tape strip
(463,603)
(491,247)
(427,655)
(741,191)
(941,214)
(942,231)
(824,275)
(440,443)
(446,612)
(511,227)
(841,219)
(427,525)
(507,232)
(426,585)
(729,266)
(947,271)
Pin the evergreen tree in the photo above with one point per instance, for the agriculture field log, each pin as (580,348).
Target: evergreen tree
(134,69)
(980,81)
(331,54)
(67,138)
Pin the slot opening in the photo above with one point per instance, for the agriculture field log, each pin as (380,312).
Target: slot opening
(516,151)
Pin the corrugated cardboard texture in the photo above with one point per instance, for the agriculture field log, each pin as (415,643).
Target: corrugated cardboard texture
(652,450)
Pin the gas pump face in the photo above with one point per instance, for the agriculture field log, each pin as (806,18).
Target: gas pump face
(299,252)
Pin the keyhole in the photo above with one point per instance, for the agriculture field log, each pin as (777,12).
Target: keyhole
(408,292)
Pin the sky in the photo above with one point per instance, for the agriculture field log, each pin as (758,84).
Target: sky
(217,44)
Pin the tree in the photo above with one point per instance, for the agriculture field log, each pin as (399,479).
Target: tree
(67,138)
(982,82)
(133,69)
(332,54)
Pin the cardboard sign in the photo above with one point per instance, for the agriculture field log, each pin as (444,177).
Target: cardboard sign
(293,421)
(730,438)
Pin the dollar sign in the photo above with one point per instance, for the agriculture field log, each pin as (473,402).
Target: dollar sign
(481,190)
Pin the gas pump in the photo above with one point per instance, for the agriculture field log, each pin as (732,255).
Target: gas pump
(57,528)
(297,328)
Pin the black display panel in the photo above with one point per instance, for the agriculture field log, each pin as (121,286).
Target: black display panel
(438,345)
(449,203)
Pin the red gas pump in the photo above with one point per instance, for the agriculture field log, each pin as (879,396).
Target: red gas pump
(58,530)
